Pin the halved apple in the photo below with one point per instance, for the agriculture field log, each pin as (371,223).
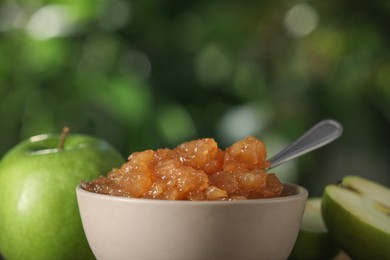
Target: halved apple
(314,241)
(357,215)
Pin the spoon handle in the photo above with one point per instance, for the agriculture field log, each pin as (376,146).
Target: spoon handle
(319,135)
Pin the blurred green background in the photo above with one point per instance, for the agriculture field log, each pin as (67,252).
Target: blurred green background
(152,73)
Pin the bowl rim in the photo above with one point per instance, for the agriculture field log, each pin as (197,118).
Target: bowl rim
(301,192)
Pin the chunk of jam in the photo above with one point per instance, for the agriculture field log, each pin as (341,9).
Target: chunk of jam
(194,170)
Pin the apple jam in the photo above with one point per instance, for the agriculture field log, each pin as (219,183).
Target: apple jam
(194,170)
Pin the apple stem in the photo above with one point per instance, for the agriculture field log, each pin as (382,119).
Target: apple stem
(63,136)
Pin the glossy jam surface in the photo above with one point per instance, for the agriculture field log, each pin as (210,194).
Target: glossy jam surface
(194,170)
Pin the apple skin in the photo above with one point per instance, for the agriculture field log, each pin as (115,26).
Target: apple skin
(314,241)
(354,219)
(39,216)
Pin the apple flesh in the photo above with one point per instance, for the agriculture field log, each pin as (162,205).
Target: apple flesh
(357,215)
(39,216)
(314,241)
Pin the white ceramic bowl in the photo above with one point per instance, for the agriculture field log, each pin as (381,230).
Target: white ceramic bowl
(147,229)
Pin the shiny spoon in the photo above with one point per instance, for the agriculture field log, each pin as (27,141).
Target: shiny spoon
(319,135)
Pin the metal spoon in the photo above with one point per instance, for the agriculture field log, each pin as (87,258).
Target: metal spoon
(319,135)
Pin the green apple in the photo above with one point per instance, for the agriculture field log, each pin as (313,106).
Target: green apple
(39,217)
(314,241)
(357,215)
